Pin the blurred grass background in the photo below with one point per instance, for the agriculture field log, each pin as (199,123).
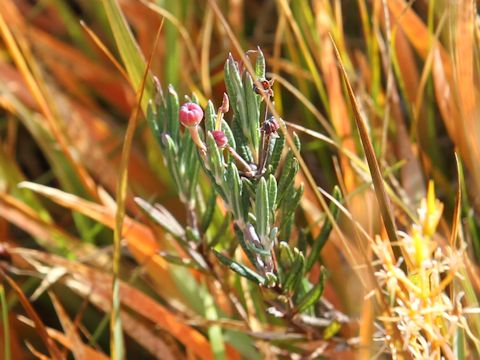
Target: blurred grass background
(69,73)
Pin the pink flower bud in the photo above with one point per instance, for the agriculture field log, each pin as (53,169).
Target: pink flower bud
(191,114)
(220,138)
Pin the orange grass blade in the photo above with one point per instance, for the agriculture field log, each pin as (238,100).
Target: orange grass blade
(338,109)
(139,238)
(69,328)
(18,50)
(89,353)
(377,179)
(39,326)
(103,48)
(98,285)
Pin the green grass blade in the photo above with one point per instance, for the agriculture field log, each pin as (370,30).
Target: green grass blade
(6,328)
(128,48)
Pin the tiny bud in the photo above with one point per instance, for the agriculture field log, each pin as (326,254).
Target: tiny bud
(225,104)
(220,138)
(191,114)
(270,126)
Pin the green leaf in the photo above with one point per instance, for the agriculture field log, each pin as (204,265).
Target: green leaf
(229,134)
(240,269)
(311,297)
(234,184)
(241,142)
(286,256)
(262,210)
(277,152)
(288,175)
(321,239)
(247,247)
(272,193)
(253,111)
(215,160)
(172,163)
(128,48)
(180,261)
(214,331)
(236,93)
(210,117)
(162,217)
(152,122)
(173,123)
(210,209)
(260,64)
(296,274)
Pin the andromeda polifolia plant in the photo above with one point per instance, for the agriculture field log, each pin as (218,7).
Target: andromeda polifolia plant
(240,148)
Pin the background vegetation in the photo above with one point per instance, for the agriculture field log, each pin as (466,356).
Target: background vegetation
(78,253)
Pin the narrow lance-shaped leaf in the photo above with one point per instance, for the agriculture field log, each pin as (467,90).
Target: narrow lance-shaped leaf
(152,121)
(172,163)
(173,124)
(215,159)
(286,256)
(241,142)
(295,275)
(210,117)
(209,210)
(229,134)
(286,180)
(234,184)
(277,152)
(253,111)
(262,210)
(312,296)
(240,269)
(252,256)
(272,194)
(260,64)
(321,239)
(162,217)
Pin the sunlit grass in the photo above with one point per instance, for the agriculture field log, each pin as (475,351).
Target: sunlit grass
(390,122)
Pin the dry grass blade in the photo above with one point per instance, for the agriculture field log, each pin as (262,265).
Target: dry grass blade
(97,286)
(48,235)
(140,240)
(69,328)
(90,354)
(37,88)
(42,332)
(377,179)
(96,40)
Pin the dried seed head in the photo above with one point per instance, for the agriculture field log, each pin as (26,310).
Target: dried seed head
(220,138)
(265,89)
(270,126)
(191,114)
